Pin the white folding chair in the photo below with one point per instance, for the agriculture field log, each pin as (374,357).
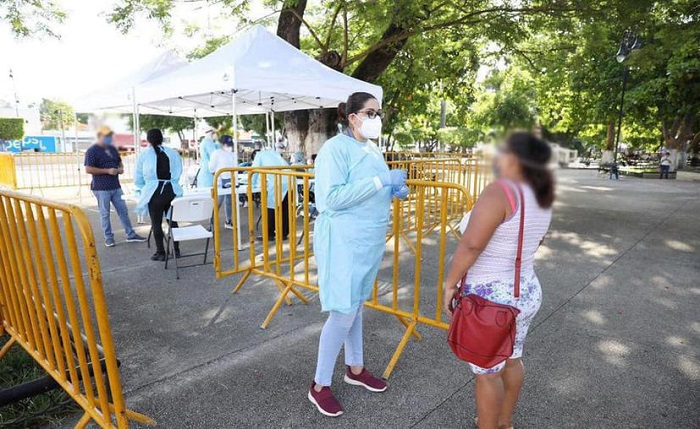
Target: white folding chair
(189,209)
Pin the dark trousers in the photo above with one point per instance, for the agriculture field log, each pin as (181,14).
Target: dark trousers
(271,219)
(157,207)
(664,171)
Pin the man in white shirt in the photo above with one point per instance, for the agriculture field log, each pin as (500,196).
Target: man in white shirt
(665,165)
(224,158)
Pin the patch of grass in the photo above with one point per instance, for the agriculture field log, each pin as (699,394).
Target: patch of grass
(18,367)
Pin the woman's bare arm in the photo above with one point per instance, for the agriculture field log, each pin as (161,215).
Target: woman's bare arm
(489,211)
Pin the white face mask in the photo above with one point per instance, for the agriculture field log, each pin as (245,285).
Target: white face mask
(371,128)
(228,148)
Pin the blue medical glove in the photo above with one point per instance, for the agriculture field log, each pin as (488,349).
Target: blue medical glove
(400,192)
(394,178)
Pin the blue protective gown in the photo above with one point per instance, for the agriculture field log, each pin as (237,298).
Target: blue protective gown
(146,178)
(350,233)
(270,158)
(205,178)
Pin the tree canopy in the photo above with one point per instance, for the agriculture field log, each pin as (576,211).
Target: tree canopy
(56,115)
(496,65)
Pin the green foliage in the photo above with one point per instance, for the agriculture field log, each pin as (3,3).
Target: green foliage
(552,63)
(56,115)
(458,138)
(11,128)
(175,124)
(31,18)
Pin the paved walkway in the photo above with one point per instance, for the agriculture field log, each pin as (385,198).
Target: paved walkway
(615,345)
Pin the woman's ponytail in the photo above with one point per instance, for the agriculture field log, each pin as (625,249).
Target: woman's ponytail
(534,155)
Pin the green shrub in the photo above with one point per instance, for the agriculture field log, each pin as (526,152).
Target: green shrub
(11,128)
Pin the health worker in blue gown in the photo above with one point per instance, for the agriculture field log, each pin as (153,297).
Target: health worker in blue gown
(354,188)
(205,178)
(157,177)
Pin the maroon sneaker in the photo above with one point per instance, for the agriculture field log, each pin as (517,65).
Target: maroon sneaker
(325,401)
(366,380)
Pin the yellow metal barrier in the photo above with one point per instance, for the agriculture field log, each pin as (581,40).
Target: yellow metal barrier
(55,170)
(8,176)
(52,309)
(290,265)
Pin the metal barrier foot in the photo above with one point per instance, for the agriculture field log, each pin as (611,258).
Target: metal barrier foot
(406,324)
(410,329)
(83,422)
(8,345)
(242,281)
(277,305)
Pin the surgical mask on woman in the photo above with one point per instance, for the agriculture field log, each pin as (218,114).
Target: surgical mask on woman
(371,128)
(228,148)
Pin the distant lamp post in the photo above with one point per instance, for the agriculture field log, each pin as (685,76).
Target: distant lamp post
(630,42)
(14,86)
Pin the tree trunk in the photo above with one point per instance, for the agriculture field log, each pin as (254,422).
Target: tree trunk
(308,130)
(610,136)
(376,62)
(677,137)
(296,123)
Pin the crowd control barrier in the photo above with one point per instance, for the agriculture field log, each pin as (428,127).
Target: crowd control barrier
(401,290)
(53,310)
(37,170)
(55,170)
(8,177)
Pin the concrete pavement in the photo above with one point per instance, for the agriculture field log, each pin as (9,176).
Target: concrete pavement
(616,343)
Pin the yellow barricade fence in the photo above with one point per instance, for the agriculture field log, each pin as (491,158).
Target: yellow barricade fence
(8,178)
(52,309)
(290,264)
(55,170)
(32,170)
(469,173)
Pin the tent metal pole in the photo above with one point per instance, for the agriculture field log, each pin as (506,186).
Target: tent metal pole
(234,195)
(272,121)
(137,122)
(267,128)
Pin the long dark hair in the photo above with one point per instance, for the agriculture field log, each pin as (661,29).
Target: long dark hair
(534,154)
(355,103)
(155,137)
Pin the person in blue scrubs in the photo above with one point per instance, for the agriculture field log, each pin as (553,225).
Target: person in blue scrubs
(271,158)
(205,178)
(354,188)
(157,177)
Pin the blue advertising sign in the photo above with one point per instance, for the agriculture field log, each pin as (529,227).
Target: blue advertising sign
(32,143)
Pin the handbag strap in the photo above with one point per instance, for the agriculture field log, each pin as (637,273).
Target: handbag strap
(521,232)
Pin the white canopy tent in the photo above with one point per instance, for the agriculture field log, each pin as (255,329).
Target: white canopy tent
(262,72)
(256,73)
(121,96)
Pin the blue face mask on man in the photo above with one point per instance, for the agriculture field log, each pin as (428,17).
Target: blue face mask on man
(108,140)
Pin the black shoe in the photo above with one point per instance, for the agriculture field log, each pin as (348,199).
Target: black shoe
(158,257)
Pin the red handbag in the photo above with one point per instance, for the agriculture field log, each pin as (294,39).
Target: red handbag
(483,332)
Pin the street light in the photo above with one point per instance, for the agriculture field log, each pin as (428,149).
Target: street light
(630,42)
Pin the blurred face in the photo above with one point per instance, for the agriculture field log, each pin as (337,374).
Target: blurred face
(505,164)
(105,139)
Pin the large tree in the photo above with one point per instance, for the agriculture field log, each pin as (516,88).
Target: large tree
(364,39)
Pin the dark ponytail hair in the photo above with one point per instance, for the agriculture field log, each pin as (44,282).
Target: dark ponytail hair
(355,103)
(155,137)
(534,154)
